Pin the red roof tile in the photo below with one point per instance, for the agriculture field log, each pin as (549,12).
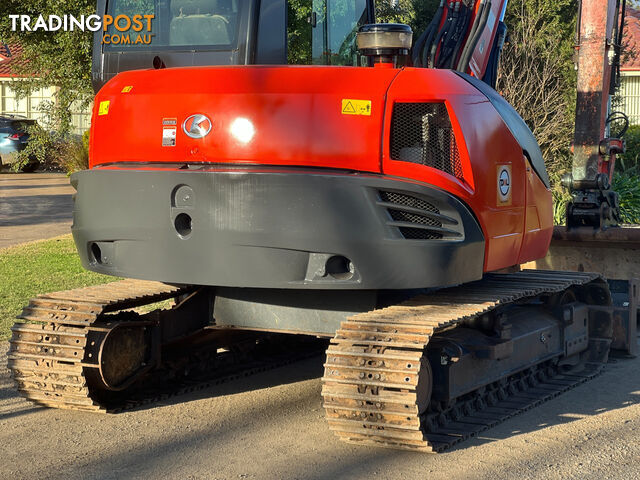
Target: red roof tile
(9,57)
(632,37)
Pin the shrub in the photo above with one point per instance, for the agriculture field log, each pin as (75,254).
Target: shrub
(627,184)
(75,154)
(561,197)
(85,139)
(44,147)
(631,159)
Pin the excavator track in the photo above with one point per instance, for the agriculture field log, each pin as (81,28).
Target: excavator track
(373,365)
(48,359)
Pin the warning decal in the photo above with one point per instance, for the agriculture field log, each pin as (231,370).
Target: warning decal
(356,107)
(127,89)
(169,131)
(103,109)
(504,185)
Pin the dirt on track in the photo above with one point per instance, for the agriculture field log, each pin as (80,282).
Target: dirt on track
(271,425)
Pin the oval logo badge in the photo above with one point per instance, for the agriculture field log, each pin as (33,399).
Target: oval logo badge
(504,185)
(504,182)
(197,126)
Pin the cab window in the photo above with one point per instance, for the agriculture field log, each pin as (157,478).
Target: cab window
(323,32)
(180,23)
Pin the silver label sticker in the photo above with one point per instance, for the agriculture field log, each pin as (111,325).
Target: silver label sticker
(169,136)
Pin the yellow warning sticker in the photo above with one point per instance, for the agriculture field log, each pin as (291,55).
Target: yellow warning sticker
(356,107)
(103,109)
(127,89)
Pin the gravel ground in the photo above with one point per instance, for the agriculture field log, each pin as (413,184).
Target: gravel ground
(271,425)
(34,206)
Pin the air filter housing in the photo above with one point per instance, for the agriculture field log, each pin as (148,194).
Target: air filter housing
(384,42)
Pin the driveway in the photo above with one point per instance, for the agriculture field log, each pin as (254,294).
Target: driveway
(34,206)
(271,426)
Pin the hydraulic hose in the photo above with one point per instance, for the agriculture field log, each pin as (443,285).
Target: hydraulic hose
(447,47)
(419,58)
(463,24)
(427,44)
(474,27)
(615,74)
(436,43)
(417,47)
(455,55)
(476,36)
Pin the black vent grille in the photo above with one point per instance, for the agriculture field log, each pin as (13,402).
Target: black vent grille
(413,216)
(407,201)
(419,234)
(401,216)
(421,133)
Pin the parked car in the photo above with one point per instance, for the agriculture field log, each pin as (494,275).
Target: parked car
(14,136)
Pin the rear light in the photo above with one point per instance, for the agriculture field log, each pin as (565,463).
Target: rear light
(17,136)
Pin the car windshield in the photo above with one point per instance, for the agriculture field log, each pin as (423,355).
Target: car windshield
(22,125)
(176,24)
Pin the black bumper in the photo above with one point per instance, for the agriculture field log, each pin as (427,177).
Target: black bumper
(274,229)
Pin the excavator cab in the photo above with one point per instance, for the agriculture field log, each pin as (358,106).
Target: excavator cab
(229,32)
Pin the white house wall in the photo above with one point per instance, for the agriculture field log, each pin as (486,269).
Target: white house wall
(30,106)
(630,96)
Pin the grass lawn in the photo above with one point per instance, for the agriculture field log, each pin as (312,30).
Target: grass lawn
(39,267)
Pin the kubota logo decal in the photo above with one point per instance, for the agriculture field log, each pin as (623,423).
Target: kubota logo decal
(197,126)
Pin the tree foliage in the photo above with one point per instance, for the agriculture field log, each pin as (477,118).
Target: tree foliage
(59,59)
(299,38)
(630,161)
(415,13)
(537,74)
(51,59)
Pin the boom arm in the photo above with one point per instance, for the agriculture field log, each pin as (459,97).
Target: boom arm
(599,34)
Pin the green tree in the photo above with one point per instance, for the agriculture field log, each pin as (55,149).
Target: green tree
(59,59)
(537,74)
(51,59)
(299,32)
(415,13)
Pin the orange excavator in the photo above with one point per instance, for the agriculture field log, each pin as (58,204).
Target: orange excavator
(379,193)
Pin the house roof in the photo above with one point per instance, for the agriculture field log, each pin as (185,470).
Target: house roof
(9,58)
(632,37)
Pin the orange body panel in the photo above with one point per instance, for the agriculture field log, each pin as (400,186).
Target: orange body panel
(538,221)
(485,142)
(297,114)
